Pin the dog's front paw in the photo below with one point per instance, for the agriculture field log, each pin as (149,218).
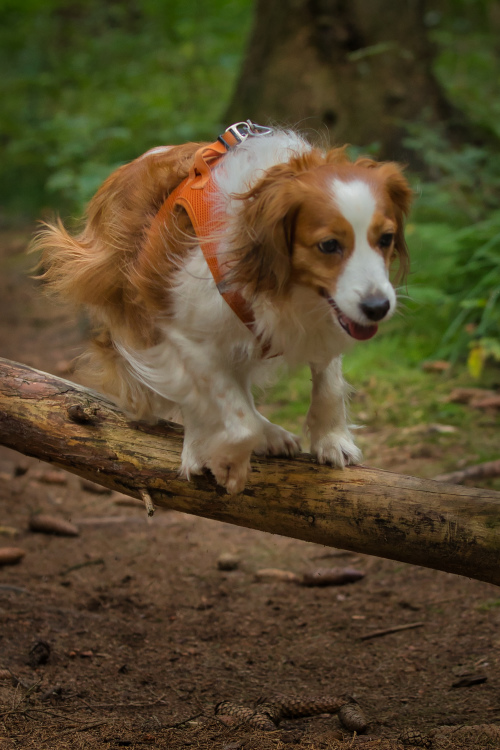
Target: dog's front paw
(337,449)
(229,470)
(277,441)
(230,474)
(229,456)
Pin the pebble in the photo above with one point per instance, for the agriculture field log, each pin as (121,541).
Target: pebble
(227,561)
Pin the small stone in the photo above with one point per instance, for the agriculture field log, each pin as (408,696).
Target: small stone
(227,561)
(21,468)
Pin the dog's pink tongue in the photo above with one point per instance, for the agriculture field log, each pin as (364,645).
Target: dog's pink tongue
(362,333)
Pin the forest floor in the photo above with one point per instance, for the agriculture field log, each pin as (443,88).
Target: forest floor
(130,634)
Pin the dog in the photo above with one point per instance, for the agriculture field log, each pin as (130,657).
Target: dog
(202,266)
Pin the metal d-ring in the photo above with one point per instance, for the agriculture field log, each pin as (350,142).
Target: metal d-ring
(243,130)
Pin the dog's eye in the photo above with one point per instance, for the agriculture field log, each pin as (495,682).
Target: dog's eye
(329,247)
(386,240)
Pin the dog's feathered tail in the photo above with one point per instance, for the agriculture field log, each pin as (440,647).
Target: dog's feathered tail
(108,268)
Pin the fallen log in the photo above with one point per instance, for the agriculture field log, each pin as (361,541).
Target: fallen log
(418,521)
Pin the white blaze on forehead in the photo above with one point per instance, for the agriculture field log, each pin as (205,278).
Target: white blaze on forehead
(357,204)
(365,272)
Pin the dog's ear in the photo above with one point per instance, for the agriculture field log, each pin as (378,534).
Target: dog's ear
(264,239)
(401,195)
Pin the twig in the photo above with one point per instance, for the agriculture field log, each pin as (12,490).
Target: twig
(99,561)
(136,704)
(180,723)
(388,631)
(478,471)
(148,502)
(335,553)
(83,727)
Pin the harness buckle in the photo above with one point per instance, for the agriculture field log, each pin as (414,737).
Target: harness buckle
(240,131)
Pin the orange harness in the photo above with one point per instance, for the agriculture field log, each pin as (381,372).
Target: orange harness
(195,194)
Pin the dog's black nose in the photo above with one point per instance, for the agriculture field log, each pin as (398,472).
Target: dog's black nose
(374,307)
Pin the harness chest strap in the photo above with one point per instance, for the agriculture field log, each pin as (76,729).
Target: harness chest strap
(194,195)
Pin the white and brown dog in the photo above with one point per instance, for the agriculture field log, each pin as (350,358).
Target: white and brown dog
(200,264)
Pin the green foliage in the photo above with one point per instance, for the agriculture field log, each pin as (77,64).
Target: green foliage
(468,62)
(455,244)
(89,85)
(475,287)
(456,240)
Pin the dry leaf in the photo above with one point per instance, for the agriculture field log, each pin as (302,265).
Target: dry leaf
(11,555)
(52,525)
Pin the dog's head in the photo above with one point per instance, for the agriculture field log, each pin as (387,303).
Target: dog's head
(331,225)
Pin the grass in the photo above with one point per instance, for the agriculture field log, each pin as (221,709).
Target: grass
(408,423)
(490,605)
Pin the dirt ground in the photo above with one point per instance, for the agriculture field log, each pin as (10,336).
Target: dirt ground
(129,634)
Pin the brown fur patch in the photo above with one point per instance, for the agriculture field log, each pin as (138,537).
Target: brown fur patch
(108,267)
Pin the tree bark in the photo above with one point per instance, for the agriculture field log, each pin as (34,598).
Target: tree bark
(355,71)
(418,521)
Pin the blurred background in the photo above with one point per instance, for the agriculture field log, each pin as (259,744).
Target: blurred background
(87,86)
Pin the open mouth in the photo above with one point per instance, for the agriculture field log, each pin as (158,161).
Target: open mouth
(355,330)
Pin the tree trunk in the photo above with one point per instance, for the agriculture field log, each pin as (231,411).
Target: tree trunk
(354,70)
(418,521)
